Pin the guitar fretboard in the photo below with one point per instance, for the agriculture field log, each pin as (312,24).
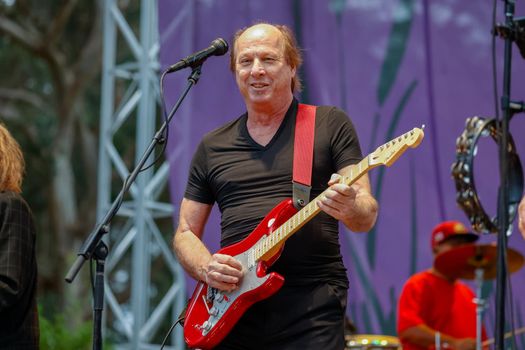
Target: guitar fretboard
(276,238)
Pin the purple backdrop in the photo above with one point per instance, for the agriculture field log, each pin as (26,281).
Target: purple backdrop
(392,65)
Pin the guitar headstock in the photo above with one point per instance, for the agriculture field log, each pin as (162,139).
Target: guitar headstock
(389,152)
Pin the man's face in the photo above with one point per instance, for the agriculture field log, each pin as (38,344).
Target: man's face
(261,71)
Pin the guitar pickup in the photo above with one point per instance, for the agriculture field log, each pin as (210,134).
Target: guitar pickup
(219,297)
(211,294)
(213,311)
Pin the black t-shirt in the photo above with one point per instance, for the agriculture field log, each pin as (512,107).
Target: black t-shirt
(247,180)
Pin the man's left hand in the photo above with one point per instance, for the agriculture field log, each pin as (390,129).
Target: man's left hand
(339,199)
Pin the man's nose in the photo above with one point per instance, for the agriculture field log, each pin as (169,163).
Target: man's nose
(257,67)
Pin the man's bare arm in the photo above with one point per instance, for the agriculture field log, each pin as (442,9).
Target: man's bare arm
(217,270)
(425,336)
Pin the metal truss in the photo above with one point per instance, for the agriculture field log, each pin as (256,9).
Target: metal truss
(145,287)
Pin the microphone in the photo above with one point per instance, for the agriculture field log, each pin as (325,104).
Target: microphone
(218,47)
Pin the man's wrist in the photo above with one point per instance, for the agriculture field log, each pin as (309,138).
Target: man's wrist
(202,274)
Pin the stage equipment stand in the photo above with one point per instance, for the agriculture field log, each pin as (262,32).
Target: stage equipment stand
(480,306)
(503,193)
(93,247)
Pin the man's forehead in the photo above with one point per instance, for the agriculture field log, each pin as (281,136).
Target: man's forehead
(261,32)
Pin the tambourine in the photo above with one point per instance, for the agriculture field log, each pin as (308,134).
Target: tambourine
(462,172)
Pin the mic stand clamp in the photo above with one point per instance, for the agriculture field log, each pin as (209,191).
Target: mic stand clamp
(93,247)
(513,30)
(516,107)
(100,254)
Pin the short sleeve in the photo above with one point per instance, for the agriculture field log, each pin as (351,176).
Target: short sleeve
(409,307)
(198,188)
(344,141)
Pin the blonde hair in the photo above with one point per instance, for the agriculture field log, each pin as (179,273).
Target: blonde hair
(292,52)
(11,162)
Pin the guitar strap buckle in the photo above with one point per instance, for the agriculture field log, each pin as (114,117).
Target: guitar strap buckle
(301,195)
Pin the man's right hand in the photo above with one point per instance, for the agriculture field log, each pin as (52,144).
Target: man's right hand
(223,272)
(464,344)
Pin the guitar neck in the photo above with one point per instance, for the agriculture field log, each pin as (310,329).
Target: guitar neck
(265,248)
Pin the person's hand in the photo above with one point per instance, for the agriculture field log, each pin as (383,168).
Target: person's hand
(223,272)
(339,199)
(464,344)
(521,217)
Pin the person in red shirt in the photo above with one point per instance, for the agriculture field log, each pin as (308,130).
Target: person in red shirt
(433,307)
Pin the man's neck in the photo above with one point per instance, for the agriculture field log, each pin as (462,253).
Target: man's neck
(435,272)
(264,113)
(264,121)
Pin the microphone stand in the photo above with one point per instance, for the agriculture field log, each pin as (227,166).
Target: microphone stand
(93,246)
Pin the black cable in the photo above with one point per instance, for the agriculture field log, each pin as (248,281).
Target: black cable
(163,138)
(169,332)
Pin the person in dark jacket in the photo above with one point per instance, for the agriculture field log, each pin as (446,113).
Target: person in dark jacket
(18,270)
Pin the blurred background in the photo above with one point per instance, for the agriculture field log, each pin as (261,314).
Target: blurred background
(80,92)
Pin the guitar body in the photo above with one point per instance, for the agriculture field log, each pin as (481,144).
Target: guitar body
(211,314)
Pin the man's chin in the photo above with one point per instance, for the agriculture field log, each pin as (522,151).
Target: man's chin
(259,97)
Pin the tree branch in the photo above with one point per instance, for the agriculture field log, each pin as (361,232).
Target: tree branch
(32,41)
(19,34)
(88,65)
(10,113)
(24,96)
(56,27)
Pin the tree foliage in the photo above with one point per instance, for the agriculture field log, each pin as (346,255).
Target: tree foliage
(51,52)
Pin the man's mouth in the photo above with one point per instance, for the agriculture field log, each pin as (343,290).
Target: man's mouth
(259,85)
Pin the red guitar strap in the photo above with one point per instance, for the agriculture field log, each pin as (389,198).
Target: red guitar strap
(303,154)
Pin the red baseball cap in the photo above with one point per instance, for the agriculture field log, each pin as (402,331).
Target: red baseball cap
(449,229)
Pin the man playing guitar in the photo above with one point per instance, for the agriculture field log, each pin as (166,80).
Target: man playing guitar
(246,167)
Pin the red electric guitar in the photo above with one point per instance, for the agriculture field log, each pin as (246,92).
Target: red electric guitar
(211,313)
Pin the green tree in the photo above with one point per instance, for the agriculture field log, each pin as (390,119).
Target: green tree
(50,52)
